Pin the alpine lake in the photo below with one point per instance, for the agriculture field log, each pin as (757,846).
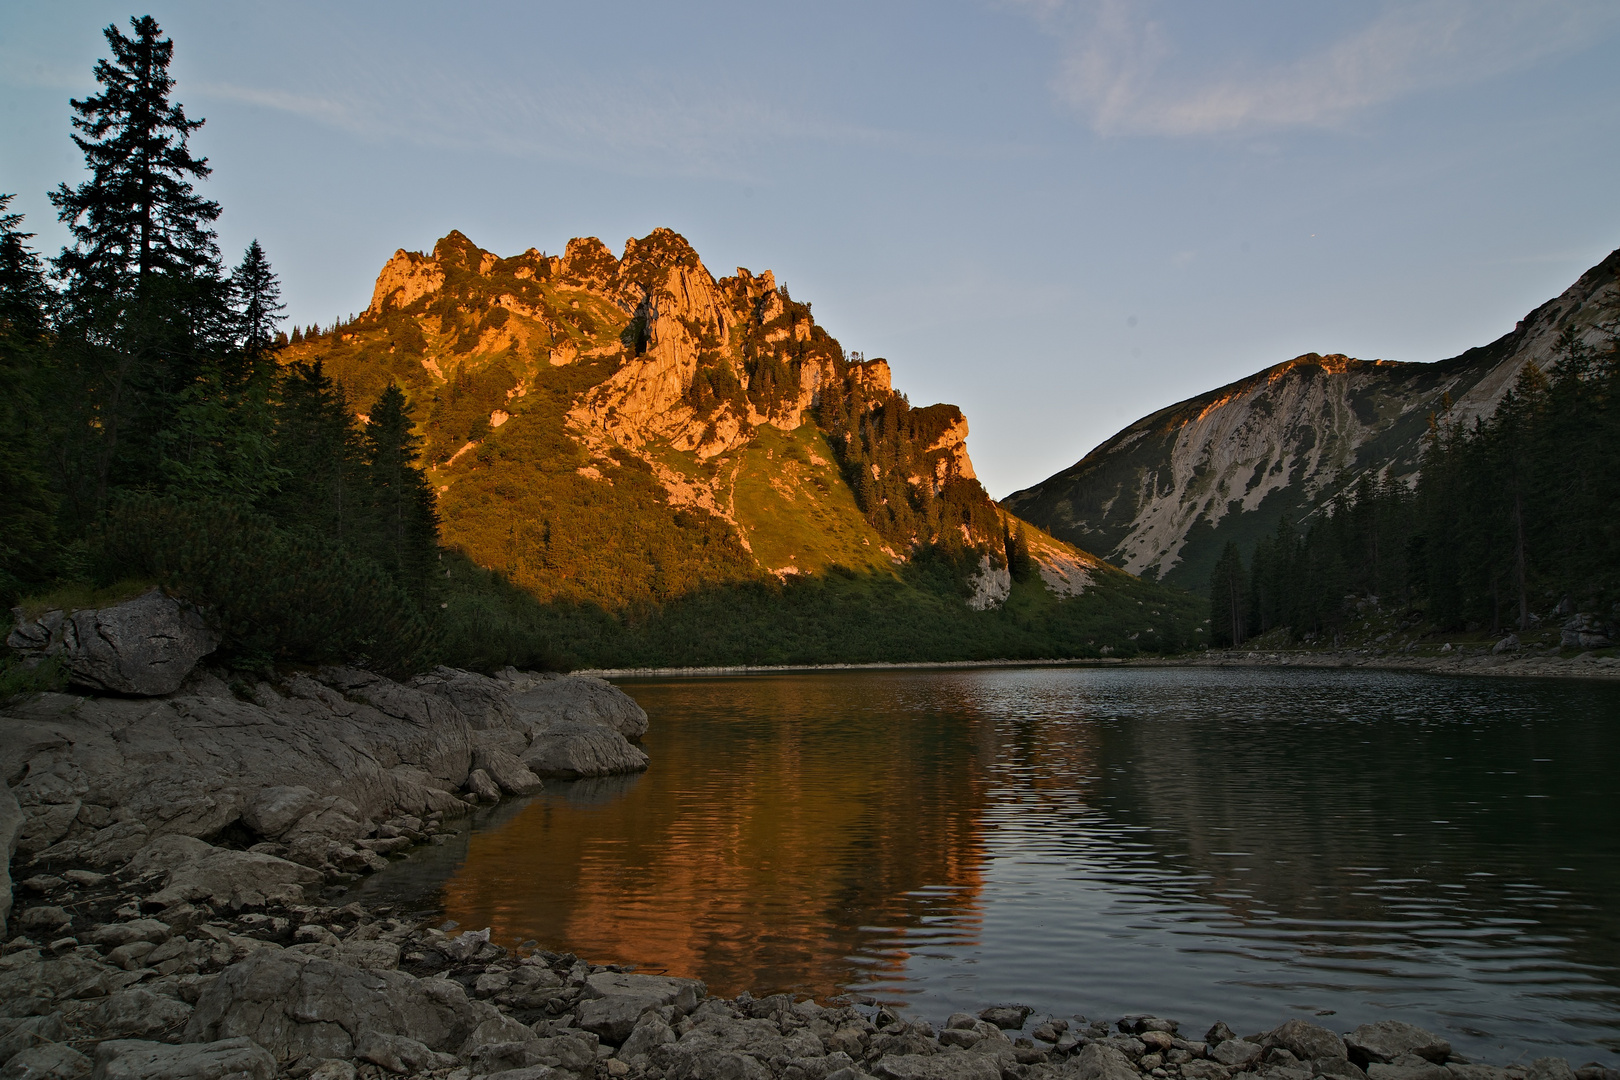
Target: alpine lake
(1245,845)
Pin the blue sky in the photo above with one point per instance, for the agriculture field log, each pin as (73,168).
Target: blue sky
(1058,214)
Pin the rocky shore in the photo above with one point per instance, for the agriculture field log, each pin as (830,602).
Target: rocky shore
(184,848)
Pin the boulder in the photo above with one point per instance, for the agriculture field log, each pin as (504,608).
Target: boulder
(1549,1068)
(507,770)
(612,1019)
(52,1061)
(570,749)
(223,877)
(140,1012)
(947,1066)
(1236,1053)
(226,1059)
(399,1053)
(580,699)
(11,823)
(1099,1062)
(479,784)
(274,810)
(683,994)
(1387,1040)
(1307,1041)
(1006,1017)
(1584,631)
(146,646)
(298,1006)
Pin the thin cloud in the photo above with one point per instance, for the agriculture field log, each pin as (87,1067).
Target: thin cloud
(670,128)
(1124,69)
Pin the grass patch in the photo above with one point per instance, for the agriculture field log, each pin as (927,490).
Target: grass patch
(78,596)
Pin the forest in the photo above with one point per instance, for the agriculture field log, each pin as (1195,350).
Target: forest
(1511,519)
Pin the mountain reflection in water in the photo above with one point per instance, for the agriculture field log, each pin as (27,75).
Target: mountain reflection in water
(1238,845)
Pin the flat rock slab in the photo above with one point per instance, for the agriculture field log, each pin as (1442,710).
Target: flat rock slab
(226,1059)
(297,1006)
(946,1066)
(1389,1039)
(684,994)
(1307,1041)
(572,749)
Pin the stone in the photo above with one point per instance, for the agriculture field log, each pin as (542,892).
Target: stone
(1099,1062)
(146,646)
(46,919)
(1237,1053)
(682,994)
(396,1053)
(574,1052)
(479,783)
(1219,1033)
(225,1059)
(1387,1040)
(31,1032)
(85,879)
(1138,1023)
(1425,1071)
(570,750)
(949,1066)
(1343,1068)
(332,1069)
(1461,1071)
(508,772)
(497,1029)
(1550,1068)
(297,1006)
(614,1018)
(1584,631)
(52,1061)
(584,700)
(1205,1070)
(1006,1017)
(1307,1041)
(140,1012)
(11,823)
(274,810)
(114,935)
(650,1032)
(236,879)
(1507,644)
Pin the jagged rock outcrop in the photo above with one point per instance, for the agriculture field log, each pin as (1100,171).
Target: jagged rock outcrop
(309,765)
(1167,492)
(146,646)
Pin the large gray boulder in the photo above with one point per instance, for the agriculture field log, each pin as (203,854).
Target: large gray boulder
(297,1006)
(1389,1039)
(571,749)
(146,646)
(11,823)
(580,699)
(1307,1041)
(199,872)
(952,1065)
(227,1059)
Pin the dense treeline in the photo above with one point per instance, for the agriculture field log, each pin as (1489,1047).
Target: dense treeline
(1512,515)
(150,435)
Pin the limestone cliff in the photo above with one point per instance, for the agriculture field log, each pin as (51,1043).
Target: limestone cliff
(1166,493)
(576,408)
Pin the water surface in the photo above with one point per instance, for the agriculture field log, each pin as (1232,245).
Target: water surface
(1241,845)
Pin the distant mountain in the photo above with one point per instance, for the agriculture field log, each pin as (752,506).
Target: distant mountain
(1166,494)
(629,432)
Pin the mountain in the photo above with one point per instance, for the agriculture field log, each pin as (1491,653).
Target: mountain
(632,436)
(1164,496)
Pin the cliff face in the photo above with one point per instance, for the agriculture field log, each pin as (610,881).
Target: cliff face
(1167,492)
(588,416)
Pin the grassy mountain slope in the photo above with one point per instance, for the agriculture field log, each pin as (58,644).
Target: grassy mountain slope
(1167,493)
(680,469)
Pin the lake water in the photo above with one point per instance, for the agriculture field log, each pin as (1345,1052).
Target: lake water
(1239,845)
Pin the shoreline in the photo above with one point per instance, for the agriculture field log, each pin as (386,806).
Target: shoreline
(1463,660)
(140,956)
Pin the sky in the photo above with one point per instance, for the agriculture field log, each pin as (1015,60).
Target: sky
(1060,215)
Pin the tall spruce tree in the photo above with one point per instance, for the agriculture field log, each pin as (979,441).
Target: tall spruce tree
(27,505)
(319,449)
(144,300)
(405,515)
(1227,598)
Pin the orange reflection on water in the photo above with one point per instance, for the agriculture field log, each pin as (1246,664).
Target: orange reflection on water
(786,855)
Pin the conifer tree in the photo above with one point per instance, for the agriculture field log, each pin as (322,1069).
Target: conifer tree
(144,301)
(317,445)
(27,505)
(407,521)
(1226,598)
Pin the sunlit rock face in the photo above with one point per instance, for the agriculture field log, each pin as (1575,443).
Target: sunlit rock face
(568,401)
(1167,493)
